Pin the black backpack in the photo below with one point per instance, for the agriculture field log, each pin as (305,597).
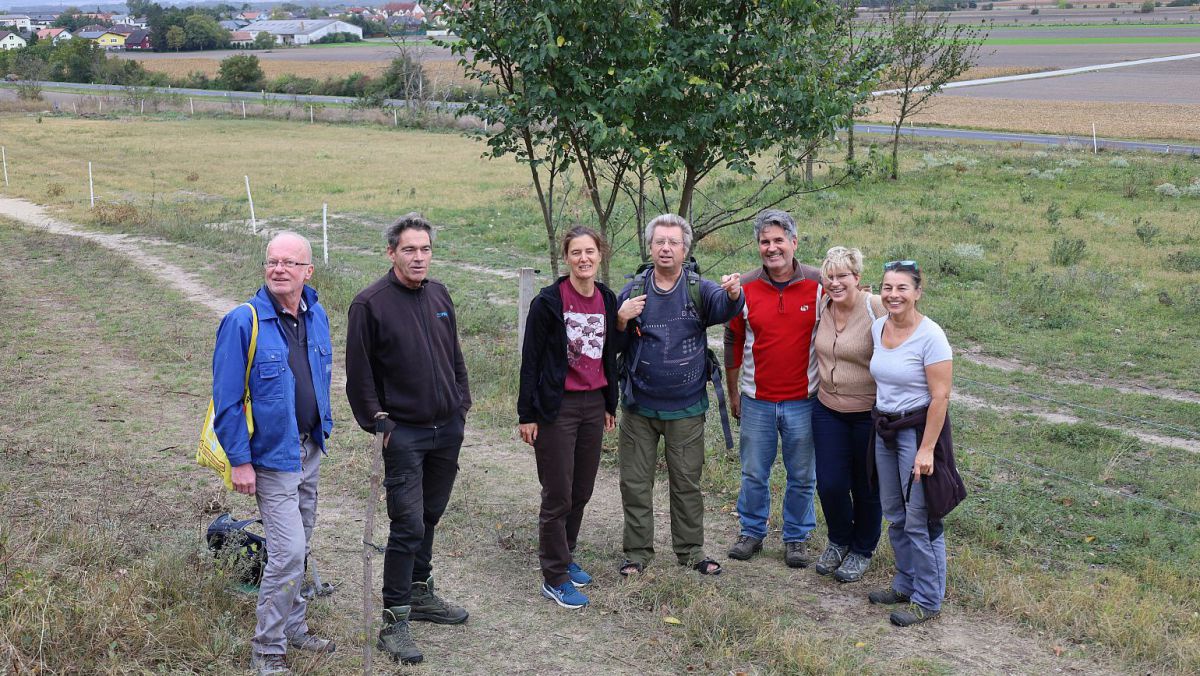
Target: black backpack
(625,367)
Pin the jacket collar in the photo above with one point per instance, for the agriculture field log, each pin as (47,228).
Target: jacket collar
(266,302)
(391,275)
(797,275)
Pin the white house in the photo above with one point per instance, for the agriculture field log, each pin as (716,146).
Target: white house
(42,20)
(11,41)
(301,31)
(54,35)
(19,21)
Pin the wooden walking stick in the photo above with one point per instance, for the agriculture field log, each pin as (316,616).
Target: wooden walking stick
(369,537)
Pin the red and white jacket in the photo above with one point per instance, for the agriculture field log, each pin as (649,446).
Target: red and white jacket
(771,341)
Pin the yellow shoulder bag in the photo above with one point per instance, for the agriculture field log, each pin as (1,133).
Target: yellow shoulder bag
(210,454)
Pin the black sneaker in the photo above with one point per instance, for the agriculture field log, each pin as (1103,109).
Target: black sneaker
(429,607)
(795,554)
(831,558)
(914,614)
(886,597)
(745,547)
(396,639)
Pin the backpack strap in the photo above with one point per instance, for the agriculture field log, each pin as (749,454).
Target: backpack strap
(246,403)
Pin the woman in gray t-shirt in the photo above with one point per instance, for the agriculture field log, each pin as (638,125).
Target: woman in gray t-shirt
(911,365)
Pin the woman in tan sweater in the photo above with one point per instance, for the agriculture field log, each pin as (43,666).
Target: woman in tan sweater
(842,417)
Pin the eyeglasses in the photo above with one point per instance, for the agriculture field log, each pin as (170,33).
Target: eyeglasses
(901,265)
(272,263)
(663,242)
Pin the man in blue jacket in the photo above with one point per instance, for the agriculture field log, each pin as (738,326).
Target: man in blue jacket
(278,465)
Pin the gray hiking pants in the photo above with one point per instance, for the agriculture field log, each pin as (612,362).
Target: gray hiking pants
(918,542)
(287,503)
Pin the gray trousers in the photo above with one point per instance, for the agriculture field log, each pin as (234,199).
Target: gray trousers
(918,542)
(287,503)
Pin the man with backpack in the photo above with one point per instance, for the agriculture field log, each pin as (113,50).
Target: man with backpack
(664,312)
(771,369)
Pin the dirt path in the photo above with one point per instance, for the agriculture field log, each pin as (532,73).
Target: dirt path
(486,559)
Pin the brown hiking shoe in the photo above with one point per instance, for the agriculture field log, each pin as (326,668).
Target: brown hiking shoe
(396,639)
(745,547)
(796,554)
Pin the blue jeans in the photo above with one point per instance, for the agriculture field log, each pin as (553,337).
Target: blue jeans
(850,502)
(764,425)
(918,542)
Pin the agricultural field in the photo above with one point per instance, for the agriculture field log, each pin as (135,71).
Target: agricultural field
(1061,278)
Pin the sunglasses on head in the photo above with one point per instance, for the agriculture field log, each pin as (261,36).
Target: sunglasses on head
(901,265)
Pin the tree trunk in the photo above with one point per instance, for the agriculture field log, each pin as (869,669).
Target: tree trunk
(896,149)
(850,141)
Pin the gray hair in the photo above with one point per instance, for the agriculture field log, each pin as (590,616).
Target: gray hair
(670,221)
(413,220)
(774,217)
(841,258)
(289,234)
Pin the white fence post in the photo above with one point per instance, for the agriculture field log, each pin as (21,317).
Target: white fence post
(91,186)
(1095,147)
(243,110)
(191,107)
(4,156)
(524,298)
(325,231)
(253,221)
(142,103)
(395,118)
(310,114)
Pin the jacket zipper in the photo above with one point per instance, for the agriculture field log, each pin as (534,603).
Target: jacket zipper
(422,311)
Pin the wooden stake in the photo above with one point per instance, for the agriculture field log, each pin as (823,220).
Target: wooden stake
(91,186)
(253,221)
(325,231)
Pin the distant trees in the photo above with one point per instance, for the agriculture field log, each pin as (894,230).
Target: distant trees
(203,32)
(199,26)
(176,38)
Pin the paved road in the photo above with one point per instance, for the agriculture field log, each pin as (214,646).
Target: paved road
(930,132)
(1035,139)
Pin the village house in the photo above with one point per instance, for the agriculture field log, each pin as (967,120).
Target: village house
(302,31)
(20,22)
(241,39)
(42,20)
(138,40)
(105,38)
(54,35)
(10,40)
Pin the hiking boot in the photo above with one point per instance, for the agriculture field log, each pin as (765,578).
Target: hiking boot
(852,568)
(429,607)
(395,638)
(795,554)
(579,576)
(312,644)
(914,614)
(831,558)
(268,665)
(565,595)
(886,597)
(745,547)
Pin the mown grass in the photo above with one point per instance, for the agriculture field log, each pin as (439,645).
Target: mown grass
(1104,571)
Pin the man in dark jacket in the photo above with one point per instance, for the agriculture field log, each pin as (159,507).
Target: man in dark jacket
(403,360)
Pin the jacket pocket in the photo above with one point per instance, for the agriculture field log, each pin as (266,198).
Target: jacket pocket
(270,378)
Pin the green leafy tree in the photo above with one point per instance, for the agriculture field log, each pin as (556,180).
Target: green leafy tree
(241,73)
(927,52)
(264,40)
(203,32)
(176,38)
(75,61)
(647,97)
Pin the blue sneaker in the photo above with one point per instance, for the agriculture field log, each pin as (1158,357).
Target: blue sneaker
(579,576)
(565,595)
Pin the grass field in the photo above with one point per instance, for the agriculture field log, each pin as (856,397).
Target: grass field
(445,73)
(1078,530)
(1110,40)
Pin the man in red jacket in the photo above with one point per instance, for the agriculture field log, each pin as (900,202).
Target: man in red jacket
(771,373)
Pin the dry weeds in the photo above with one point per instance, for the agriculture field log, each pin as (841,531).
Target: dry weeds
(1119,120)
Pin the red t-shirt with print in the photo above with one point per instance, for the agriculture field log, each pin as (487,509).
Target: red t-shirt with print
(584,317)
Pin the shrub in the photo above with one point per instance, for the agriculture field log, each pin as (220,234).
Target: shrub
(1067,251)
(1119,163)
(1147,7)
(1185,261)
(1167,190)
(1034,11)
(1053,213)
(241,73)
(1145,230)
